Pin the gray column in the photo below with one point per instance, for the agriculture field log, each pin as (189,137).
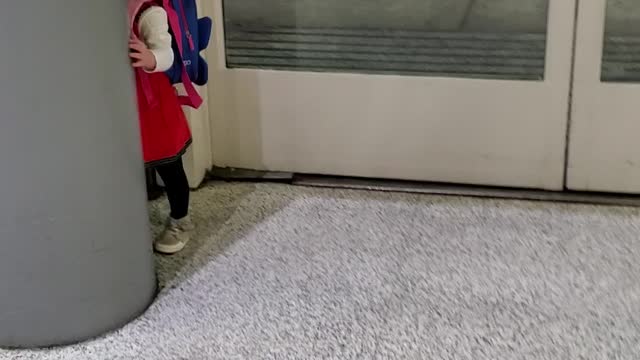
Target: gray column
(76,257)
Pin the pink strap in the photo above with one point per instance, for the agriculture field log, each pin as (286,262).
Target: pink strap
(192,99)
(186,25)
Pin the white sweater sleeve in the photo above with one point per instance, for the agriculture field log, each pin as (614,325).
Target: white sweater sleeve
(154,31)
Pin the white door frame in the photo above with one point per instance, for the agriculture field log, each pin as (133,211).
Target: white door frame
(491,132)
(604,151)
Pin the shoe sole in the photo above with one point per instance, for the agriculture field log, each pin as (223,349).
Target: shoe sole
(169,250)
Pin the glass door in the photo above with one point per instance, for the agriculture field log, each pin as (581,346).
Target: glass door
(604,152)
(462,91)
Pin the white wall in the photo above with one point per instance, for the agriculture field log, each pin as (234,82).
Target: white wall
(198,160)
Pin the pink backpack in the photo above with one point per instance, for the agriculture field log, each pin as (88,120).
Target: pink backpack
(192,99)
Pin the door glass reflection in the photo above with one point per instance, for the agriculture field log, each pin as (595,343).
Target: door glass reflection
(497,39)
(621,58)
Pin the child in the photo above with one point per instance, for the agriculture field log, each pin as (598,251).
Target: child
(164,128)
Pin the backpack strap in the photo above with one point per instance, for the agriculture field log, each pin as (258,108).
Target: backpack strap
(192,99)
(185,22)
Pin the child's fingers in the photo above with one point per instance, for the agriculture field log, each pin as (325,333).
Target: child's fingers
(140,63)
(136,56)
(137,47)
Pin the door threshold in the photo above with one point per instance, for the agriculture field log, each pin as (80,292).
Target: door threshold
(465,190)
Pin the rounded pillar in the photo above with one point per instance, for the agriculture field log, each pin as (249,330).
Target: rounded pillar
(76,258)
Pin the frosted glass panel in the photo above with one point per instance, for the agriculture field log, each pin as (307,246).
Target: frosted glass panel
(621,60)
(502,39)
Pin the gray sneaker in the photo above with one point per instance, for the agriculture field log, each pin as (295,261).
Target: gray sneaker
(175,236)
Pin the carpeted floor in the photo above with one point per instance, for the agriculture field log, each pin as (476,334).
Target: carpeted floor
(280,272)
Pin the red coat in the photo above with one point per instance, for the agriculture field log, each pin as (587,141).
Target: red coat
(163,125)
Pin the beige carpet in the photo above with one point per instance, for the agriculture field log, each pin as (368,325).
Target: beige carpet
(279,272)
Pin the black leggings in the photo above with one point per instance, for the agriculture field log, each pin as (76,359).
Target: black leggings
(176,186)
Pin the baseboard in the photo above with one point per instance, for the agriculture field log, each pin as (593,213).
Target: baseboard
(465,190)
(235,174)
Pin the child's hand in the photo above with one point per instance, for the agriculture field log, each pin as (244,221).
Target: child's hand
(141,56)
